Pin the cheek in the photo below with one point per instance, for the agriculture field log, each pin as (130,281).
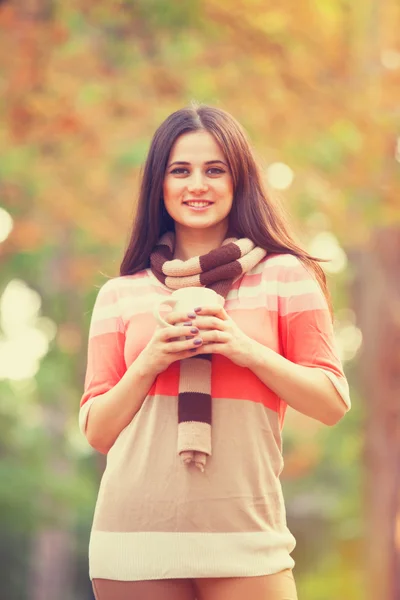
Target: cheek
(171,188)
(225,190)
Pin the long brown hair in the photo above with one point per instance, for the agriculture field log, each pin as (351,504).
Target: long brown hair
(254,214)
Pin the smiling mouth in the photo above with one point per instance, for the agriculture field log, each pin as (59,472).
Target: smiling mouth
(198,203)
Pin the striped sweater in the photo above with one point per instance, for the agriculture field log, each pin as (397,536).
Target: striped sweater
(154,517)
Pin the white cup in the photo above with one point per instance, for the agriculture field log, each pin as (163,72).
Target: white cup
(186,300)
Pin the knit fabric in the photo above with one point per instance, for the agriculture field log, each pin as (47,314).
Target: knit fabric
(155,518)
(217,270)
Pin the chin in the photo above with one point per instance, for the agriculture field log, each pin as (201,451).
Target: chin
(200,226)
(198,223)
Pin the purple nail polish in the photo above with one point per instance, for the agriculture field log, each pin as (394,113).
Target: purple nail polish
(198,341)
(189,323)
(191,315)
(198,309)
(194,330)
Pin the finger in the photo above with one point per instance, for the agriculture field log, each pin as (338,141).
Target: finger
(214,336)
(179,317)
(215,310)
(210,349)
(209,323)
(169,333)
(183,346)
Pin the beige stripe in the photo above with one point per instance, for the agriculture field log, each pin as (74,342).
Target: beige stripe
(245,246)
(143,556)
(177,268)
(175,283)
(194,435)
(248,261)
(195,376)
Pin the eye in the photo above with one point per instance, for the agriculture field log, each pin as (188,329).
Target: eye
(216,171)
(179,171)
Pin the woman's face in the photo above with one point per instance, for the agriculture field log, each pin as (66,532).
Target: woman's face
(198,187)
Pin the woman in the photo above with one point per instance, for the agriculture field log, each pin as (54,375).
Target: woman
(164,530)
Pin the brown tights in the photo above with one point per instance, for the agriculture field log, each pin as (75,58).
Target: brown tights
(280,586)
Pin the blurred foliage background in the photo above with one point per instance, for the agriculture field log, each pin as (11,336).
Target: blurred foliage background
(84,85)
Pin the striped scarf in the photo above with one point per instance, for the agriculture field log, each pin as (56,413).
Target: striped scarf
(217,270)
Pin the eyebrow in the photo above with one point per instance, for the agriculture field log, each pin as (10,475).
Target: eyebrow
(209,162)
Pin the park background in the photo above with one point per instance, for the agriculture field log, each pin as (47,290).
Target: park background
(85,83)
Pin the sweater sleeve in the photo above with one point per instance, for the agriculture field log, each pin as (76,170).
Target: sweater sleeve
(306,326)
(105,355)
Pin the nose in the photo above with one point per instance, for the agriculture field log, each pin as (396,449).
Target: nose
(197,183)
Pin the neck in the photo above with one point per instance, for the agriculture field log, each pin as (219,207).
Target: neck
(196,242)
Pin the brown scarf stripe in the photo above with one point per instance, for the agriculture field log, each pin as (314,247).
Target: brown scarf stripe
(165,247)
(164,254)
(221,256)
(157,259)
(217,270)
(222,287)
(230,271)
(194,406)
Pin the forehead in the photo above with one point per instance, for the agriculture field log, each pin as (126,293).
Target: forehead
(196,146)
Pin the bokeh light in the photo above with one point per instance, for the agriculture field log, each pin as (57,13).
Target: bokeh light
(6,224)
(25,333)
(325,245)
(280,176)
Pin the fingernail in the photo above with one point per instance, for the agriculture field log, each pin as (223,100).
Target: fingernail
(191,316)
(198,341)
(193,349)
(188,323)
(194,330)
(198,309)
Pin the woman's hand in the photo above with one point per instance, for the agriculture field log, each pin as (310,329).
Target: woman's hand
(168,344)
(221,335)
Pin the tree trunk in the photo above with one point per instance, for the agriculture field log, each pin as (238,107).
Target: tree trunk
(377,304)
(52,569)
(51,576)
